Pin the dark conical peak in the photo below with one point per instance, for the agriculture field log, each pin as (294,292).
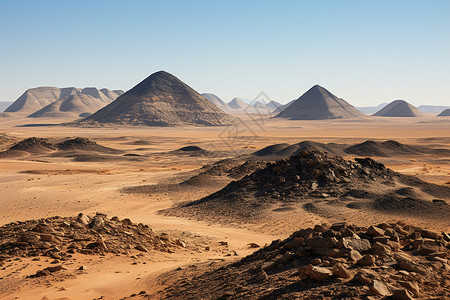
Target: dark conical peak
(317,89)
(162,81)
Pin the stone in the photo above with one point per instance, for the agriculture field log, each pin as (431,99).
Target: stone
(412,267)
(361,245)
(340,271)
(261,276)
(294,243)
(320,273)
(374,231)
(412,286)
(401,294)
(366,260)
(83,219)
(354,255)
(379,288)
(55,268)
(338,226)
(326,242)
(430,234)
(253,245)
(141,248)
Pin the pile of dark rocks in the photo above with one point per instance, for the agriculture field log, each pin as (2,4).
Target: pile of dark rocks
(340,261)
(59,237)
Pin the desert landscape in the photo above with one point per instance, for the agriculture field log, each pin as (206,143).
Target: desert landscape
(135,165)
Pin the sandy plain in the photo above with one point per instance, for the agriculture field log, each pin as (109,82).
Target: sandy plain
(40,186)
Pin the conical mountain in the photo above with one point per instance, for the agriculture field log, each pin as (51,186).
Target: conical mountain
(237,103)
(445,113)
(398,108)
(161,100)
(73,106)
(214,99)
(318,103)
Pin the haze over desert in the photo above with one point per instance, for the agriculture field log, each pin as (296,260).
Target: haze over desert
(161,169)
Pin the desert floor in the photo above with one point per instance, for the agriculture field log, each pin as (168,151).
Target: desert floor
(41,186)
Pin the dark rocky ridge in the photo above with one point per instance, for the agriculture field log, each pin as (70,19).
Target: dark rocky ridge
(315,175)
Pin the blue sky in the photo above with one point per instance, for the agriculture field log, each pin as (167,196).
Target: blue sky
(366,52)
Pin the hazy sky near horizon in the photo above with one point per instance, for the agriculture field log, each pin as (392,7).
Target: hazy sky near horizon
(366,52)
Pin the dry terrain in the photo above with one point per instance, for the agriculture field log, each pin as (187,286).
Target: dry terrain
(141,173)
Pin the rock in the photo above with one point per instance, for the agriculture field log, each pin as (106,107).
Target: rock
(82,268)
(320,273)
(294,243)
(338,226)
(340,271)
(366,260)
(327,242)
(83,219)
(379,288)
(141,248)
(222,243)
(253,245)
(412,267)
(360,245)
(374,231)
(28,238)
(46,237)
(412,286)
(55,268)
(261,276)
(401,294)
(354,255)
(430,234)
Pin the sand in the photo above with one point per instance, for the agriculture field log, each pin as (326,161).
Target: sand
(38,186)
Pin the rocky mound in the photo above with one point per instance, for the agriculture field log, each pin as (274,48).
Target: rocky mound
(33,145)
(445,113)
(318,103)
(192,151)
(314,175)
(59,237)
(160,100)
(398,108)
(80,143)
(65,148)
(387,148)
(284,151)
(330,262)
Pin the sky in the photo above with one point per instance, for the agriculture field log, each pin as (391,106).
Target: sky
(366,52)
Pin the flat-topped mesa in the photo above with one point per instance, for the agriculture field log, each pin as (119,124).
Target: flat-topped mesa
(398,108)
(317,104)
(161,100)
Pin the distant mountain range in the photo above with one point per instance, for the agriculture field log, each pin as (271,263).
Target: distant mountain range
(62,102)
(240,106)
